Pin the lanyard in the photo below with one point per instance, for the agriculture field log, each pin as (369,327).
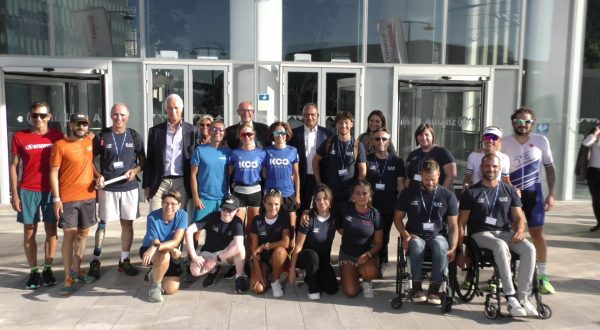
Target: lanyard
(122,144)
(431,205)
(343,157)
(487,201)
(381,173)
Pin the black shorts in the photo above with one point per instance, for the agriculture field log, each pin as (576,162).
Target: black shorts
(288,204)
(249,200)
(174,268)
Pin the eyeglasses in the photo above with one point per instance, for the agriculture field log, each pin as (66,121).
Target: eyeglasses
(310,114)
(204,125)
(280,133)
(246,110)
(171,204)
(82,124)
(491,137)
(379,139)
(247,134)
(217,129)
(522,121)
(39,115)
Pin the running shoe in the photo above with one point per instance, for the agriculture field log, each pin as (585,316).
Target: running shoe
(368,291)
(69,287)
(230,273)
(83,278)
(277,289)
(211,278)
(126,267)
(514,308)
(545,286)
(529,308)
(34,280)
(241,285)
(48,277)
(155,293)
(94,269)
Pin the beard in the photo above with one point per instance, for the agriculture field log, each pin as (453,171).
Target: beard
(522,132)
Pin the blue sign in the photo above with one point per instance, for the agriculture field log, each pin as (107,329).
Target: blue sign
(263,97)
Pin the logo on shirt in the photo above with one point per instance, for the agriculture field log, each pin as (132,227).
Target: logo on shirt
(128,145)
(414,203)
(481,201)
(373,167)
(438,204)
(348,218)
(215,228)
(316,230)
(89,148)
(279,161)
(503,199)
(38,146)
(247,164)
(391,168)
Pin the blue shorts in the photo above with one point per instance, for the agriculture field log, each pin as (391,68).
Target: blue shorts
(35,204)
(533,206)
(210,206)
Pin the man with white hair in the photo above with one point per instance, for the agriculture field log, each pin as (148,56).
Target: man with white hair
(170,149)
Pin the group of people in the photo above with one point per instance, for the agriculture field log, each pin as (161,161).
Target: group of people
(270,199)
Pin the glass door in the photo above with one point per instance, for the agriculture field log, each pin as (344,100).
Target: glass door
(332,89)
(455,110)
(205,88)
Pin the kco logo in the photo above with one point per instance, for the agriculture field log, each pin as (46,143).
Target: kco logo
(248,164)
(279,161)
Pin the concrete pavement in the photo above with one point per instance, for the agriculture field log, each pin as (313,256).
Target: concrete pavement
(118,301)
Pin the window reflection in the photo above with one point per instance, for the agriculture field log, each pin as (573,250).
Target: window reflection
(328,30)
(197,29)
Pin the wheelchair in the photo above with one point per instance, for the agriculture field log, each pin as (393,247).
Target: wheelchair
(404,280)
(465,282)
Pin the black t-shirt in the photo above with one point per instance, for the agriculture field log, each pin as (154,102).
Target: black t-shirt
(483,203)
(417,157)
(444,205)
(118,154)
(358,229)
(270,233)
(383,176)
(319,235)
(219,233)
(340,162)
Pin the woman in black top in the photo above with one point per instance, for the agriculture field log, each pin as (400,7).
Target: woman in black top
(313,246)
(269,239)
(362,238)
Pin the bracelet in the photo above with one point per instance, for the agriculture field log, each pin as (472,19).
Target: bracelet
(56,200)
(369,255)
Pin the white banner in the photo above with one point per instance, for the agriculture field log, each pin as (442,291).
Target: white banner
(93,26)
(391,39)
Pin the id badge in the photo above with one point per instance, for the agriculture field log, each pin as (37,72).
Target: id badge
(417,177)
(118,165)
(490,221)
(428,226)
(343,172)
(380,186)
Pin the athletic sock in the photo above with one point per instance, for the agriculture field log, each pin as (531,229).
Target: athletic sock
(47,266)
(124,255)
(34,268)
(541,268)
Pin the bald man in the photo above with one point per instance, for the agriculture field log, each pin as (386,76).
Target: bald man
(246,112)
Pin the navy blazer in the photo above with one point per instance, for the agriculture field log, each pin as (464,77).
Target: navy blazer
(154,166)
(298,141)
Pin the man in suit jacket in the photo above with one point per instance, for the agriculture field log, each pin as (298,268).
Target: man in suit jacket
(307,139)
(170,148)
(246,112)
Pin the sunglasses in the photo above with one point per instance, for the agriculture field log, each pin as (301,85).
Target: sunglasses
(204,125)
(379,139)
(522,121)
(247,134)
(39,115)
(280,133)
(217,129)
(491,137)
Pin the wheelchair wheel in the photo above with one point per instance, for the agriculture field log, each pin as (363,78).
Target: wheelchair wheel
(492,311)
(396,302)
(465,281)
(544,311)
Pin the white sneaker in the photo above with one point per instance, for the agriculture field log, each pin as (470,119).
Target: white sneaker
(529,308)
(314,296)
(514,308)
(277,289)
(368,290)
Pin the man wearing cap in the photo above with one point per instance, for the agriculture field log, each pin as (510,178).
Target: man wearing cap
(224,243)
(171,148)
(121,152)
(72,176)
(491,142)
(246,112)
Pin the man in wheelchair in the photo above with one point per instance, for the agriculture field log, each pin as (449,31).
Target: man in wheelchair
(431,209)
(487,209)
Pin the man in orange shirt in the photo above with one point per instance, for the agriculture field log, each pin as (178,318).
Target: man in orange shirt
(72,181)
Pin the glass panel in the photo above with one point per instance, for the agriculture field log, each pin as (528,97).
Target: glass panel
(302,87)
(326,29)
(207,93)
(95,106)
(165,82)
(418,24)
(129,88)
(483,32)
(340,95)
(405,144)
(188,29)
(456,117)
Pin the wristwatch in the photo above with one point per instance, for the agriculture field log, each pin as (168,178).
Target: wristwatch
(219,258)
